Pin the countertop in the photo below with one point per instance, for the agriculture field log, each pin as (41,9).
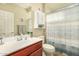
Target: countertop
(12,46)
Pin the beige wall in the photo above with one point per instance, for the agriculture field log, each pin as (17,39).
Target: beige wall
(38,32)
(18,11)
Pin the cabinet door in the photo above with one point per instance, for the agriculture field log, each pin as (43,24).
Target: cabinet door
(27,50)
(37,53)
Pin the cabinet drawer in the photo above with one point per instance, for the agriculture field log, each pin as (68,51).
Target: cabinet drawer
(27,50)
(37,53)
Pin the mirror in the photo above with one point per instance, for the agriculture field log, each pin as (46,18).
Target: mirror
(6,23)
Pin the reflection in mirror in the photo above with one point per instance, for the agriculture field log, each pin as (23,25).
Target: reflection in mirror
(6,23)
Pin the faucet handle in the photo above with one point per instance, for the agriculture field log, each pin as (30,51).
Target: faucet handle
(1,40)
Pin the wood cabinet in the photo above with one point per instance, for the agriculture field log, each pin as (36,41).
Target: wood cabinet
(37,53)
(32,50)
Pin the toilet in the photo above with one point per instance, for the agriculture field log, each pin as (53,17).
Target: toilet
(47,48)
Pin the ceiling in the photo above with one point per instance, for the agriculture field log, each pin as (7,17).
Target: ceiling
(33,5)
(49,7)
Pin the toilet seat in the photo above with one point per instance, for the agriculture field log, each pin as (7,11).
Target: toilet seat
(48,48)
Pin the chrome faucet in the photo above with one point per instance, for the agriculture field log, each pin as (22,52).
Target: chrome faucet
(19,38)
(1,38)
(1,41)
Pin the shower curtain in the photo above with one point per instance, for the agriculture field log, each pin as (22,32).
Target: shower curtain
(63,30)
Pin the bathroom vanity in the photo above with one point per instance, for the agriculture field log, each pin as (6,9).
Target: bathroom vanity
(31,50)
(30,47)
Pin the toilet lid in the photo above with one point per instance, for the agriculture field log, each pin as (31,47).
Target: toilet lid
(48,46)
